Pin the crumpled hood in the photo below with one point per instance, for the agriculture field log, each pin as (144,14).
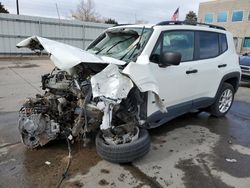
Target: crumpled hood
(65,56)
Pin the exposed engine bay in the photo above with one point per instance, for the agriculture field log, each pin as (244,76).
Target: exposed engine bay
(81,100)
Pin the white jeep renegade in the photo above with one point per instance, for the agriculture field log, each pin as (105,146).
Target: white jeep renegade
(131,78)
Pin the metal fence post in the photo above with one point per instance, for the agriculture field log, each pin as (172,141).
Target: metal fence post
(83,36)
(40,27)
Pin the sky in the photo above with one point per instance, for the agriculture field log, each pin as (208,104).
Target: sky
(123,11)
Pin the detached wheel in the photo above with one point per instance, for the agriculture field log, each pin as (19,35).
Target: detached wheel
(123,153)
(224,101)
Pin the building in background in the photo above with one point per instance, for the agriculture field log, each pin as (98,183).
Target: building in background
(234,15)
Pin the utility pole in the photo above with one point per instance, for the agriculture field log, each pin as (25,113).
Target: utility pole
(58,14)
(17,7)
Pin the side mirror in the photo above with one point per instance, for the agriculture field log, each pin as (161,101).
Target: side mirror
(170,58)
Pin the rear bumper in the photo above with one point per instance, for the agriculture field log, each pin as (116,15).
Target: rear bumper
(245,78)
(245,73)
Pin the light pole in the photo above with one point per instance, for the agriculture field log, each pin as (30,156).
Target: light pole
(17,7)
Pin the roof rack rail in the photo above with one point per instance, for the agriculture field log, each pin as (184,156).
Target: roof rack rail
(189,23)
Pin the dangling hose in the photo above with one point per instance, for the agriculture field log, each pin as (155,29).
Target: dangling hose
(68,164)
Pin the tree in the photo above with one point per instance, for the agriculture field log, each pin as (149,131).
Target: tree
(141,21)
(191,17)
(111,21)
(2,9)
(86,11)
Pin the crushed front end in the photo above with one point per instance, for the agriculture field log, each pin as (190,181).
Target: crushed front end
(88,91)
(79,101)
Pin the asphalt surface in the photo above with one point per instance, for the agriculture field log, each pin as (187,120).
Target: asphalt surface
(190,151)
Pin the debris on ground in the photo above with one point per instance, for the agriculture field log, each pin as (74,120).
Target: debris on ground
(231,160)
(47,163)
(229,141)
(103,182)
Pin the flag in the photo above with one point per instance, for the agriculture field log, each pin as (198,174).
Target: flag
(175,16)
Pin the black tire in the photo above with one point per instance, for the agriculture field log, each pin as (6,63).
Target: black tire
(123,153)
(214,108)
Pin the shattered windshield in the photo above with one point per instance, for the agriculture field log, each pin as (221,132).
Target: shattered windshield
(121,43)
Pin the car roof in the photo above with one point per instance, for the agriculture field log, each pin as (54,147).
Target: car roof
(170,25)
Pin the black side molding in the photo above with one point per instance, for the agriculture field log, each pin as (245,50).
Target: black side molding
(227,77)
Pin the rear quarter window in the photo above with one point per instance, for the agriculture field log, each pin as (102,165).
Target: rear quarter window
(209,45)
(223,43)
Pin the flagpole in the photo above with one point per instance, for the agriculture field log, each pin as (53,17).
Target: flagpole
(178,13)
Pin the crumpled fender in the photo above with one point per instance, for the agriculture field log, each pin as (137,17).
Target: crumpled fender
(141,74)
(111,83)
(64,56)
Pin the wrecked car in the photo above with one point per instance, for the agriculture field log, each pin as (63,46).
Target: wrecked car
(130,79)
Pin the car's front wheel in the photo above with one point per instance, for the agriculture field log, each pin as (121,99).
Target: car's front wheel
(123,153)
(224,101)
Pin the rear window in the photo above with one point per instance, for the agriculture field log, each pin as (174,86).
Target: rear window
(209,45)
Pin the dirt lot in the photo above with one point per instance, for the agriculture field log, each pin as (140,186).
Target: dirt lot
(190,151)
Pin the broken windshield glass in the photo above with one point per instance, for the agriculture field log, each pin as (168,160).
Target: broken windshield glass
(121,43)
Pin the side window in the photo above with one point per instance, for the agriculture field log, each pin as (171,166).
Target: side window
(209,44)
(223,44)
(175,41)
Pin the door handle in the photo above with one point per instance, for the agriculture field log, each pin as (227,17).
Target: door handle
(192,71)
(222,65)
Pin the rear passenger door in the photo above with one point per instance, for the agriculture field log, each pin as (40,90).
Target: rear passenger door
(208,63)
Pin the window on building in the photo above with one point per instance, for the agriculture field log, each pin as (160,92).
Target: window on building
(209,44)
(222,17)
(249,16)
(246,43)
(237,16)
(208,18)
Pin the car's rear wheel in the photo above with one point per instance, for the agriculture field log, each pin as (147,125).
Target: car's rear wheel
(123,153)
(224,101)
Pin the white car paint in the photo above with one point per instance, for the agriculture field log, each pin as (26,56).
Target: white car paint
(175,87)
(65,56)
(111,83)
